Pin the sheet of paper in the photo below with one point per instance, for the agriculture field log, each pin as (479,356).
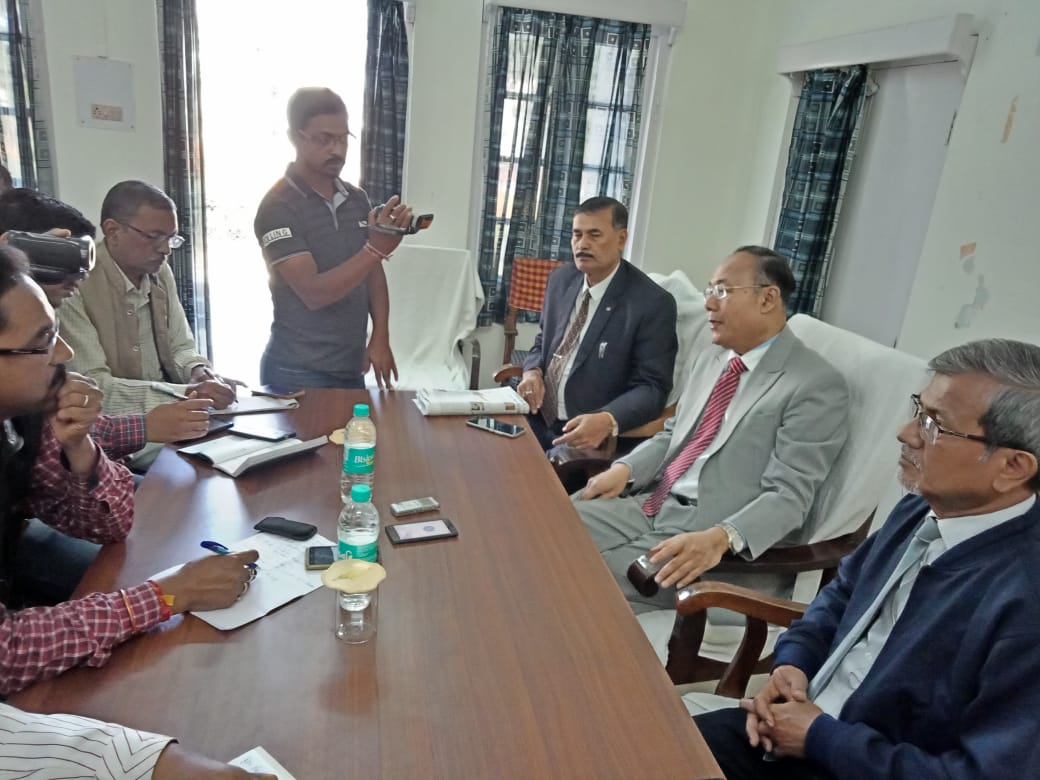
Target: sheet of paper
(280,579)
(259,760)
(251,404)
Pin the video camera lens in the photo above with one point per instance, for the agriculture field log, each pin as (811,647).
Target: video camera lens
(54,259)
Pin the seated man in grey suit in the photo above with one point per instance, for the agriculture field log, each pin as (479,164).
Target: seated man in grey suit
(759,424)
(603,360)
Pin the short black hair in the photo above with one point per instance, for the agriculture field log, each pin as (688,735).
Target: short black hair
(124,199)
(618,212)
(309,102)
(25,209)
(773,269)
(14,270)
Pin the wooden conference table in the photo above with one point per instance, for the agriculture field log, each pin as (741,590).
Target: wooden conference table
(507,652)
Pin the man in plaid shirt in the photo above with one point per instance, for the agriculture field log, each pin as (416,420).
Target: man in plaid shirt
(51,467)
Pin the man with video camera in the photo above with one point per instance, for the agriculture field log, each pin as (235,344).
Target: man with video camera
(324,246)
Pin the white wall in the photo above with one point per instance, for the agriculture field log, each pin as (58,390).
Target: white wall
(88,161)
(987,192)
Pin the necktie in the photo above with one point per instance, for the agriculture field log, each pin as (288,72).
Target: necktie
(926,533)
(559,359)
(711,420)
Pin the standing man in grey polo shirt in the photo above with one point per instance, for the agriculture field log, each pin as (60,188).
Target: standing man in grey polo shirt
(325,265)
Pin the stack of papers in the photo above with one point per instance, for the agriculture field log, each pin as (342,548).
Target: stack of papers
(499,400)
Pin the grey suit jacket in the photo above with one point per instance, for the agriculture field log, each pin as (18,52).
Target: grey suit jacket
(780,438)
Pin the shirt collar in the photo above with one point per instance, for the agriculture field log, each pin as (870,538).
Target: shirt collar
(955,530)
(128,286)
(298,184)
(599,289)
(753,356)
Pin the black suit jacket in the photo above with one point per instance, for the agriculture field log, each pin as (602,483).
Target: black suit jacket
(624,364)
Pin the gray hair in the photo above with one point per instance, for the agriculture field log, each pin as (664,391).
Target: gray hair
(1013,416)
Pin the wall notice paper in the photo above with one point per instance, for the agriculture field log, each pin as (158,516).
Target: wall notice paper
(280,578)
(499,400)
(260,761)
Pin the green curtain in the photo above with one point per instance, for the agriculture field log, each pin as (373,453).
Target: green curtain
(182,148)
(566,101)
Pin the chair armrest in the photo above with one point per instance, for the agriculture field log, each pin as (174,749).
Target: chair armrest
(474,361)
(507,372)
(684,662)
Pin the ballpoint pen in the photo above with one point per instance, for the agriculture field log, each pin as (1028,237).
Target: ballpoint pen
(220,549)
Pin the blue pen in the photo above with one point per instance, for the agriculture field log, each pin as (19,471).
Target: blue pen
(220,549)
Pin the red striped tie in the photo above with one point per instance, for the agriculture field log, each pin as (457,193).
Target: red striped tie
(714,413)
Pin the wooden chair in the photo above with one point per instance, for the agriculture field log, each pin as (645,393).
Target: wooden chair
(880,381)
(526,293)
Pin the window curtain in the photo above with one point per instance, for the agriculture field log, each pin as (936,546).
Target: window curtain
(182,148)
(823,146)
(565,97)
(386,98)
(17,126)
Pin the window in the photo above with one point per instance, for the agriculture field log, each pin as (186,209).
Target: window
(565,110)
(16,124)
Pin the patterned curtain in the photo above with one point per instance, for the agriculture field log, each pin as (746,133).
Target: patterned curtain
(823,145)
(182,148)
(386,97)
(565,101)
(17,142)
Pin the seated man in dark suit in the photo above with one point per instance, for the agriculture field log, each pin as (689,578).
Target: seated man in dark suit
(920,659)
(603,360)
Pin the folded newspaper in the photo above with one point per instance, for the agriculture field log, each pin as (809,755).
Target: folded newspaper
(499,400)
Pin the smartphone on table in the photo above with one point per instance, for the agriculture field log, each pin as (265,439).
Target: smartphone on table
(320,557)
(421,530)
(492,425)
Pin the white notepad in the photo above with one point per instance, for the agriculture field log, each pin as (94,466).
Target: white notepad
(260,761)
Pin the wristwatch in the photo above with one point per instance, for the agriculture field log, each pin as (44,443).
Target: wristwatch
(736,541)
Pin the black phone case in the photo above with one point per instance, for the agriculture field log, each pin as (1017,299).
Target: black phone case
(291,529)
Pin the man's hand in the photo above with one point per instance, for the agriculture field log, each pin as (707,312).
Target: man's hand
(786,684)
(78,405)
(586,430)
(214,582)
(393,214)
(176,763)
(380,358)
(178,421)
(609,484)
(689,555)
(532,389)
(218,391)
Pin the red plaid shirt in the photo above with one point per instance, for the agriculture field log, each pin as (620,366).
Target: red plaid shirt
(41,642)
(120,436)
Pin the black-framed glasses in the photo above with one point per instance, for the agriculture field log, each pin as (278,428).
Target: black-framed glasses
(173,239)
(327,140)
(720,291)
(930,429)
(46,350)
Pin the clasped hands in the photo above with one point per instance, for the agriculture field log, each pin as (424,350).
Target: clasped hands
(779,717)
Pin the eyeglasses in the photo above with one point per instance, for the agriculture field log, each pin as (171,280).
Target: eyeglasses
(46,350)
(174,240)
(327,140)
(720,291)
(930,429)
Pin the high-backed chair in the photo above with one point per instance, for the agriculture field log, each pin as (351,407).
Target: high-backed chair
(435,296)
(526,293)
(880,381)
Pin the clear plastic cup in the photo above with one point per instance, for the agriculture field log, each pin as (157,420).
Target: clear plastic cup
(356,584)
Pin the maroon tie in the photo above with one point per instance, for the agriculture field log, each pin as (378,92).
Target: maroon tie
(714,413)
(554,376)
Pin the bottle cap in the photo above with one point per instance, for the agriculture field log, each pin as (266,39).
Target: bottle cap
(361,410)
(359,494)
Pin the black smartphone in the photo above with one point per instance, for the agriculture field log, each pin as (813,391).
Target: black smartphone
(290,529)
(253,429)
(321,557)
(421,530)
(496,426)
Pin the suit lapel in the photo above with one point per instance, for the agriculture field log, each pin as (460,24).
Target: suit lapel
(606,307)
(570,295)
(765,374)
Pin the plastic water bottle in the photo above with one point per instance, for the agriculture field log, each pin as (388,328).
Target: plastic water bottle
(359,452)
(359,527)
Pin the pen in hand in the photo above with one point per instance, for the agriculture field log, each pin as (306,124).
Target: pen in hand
(220,549)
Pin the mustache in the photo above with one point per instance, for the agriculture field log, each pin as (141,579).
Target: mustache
(584,254)
(50,401)
(908,454)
